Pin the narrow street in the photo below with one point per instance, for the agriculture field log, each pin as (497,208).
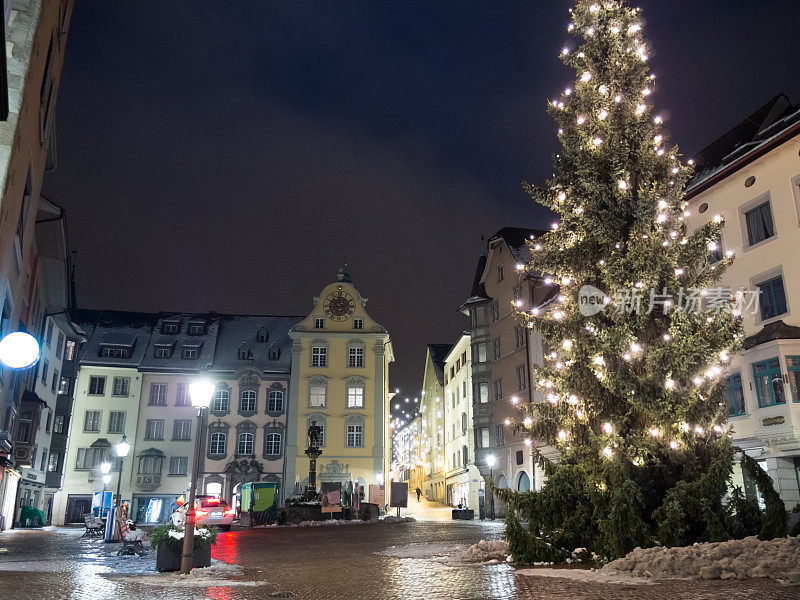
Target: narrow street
(398,561)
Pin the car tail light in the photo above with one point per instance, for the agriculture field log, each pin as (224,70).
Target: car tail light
(229,512)
(200,513)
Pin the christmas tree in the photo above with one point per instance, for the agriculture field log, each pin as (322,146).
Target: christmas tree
(637,340)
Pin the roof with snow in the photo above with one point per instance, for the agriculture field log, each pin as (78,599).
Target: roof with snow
(766,128)
(266,338)
(129,332)
(195,333)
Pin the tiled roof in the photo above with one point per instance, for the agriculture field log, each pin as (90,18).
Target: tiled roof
(236,329)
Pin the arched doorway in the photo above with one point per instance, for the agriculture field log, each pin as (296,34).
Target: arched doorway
(524,482)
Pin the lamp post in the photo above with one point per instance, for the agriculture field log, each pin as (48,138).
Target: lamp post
(201,393)
(121,448)
(491,461)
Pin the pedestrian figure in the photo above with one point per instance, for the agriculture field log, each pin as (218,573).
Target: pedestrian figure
(419,493)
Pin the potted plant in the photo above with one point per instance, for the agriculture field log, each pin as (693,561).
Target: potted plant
(168,540)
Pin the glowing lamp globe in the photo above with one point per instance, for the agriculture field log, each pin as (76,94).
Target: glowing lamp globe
(19,350)
(201,393)
(106,479)
(105,468)
(122,447)
(491,461)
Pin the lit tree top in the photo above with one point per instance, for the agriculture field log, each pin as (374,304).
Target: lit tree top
(634,384)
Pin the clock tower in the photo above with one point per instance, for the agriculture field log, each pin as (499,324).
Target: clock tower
(339,382)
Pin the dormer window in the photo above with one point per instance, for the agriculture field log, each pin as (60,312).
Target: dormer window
(319,323)
(262,336)
(162,351)
(245,353)
(274,352)
(196,328)
(190,352)
(170,327)
(114,351)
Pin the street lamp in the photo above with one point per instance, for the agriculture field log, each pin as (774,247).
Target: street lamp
(201,393)
(19,350)
(121,448)
(491,461)
(105,468)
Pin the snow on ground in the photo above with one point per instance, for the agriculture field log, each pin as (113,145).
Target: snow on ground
(584,575)
(336,522)
(485,551)
(736,559)
(420,550)
(395,519)
(218,574)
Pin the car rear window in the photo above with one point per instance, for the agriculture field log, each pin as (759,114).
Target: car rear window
(213,503)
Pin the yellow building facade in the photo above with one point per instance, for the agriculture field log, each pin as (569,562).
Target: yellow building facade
(339,380)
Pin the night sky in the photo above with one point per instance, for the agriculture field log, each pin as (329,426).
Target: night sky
(230,156)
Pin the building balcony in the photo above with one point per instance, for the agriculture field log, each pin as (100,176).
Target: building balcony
(148,481)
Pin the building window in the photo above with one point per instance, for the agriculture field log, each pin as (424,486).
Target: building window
(162,351)
(520,457)
(248,401)
(272,444)
(49,422)
(519,336)
(121,386)
(464,390)
(158,394)
(274,352)
(358,323)
(500,272)
(53,462)
(734,395)
(244,352)
(356,356)
(482,392)
(48,336)
(500,434)
(178,465)
(483,437)
(45,369)
(245,444)
(319,356)
(498,389)
(275,401)
(182,398)
(150,465)
(498,352)
(759,224)
(355,397)
(190,352)
(182,429)
(522,377)
(90,458)
(197,328)
(478,316)
(91,420)
(116,421)
(479,353)
(170,327)
(793,366)
(64,385)
(317,396)
(355,436)
(769,382)
(59,344)
(54,382)
(218,443)
(58,424)
(262,336)
(319,323)
(69,350)
(772,298)
(114,352)
(154,429)
(494,307)
(221,401)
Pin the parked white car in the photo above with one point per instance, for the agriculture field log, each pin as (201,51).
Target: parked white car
(210,510)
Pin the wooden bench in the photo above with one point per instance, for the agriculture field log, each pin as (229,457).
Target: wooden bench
(94,526)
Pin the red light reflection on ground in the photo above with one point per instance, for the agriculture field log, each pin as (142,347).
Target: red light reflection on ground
(219,593)
(227,548)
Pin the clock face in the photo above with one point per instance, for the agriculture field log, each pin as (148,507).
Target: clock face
(339,305)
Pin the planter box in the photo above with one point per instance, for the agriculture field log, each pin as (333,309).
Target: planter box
(464,514)
(169,560)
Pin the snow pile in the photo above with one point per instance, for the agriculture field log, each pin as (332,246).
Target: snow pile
(419,550)
(218,574)
(485,551)
(394,519)
(331,522)
(736,559)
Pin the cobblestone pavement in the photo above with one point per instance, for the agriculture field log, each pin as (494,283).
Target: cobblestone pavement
(386,561)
